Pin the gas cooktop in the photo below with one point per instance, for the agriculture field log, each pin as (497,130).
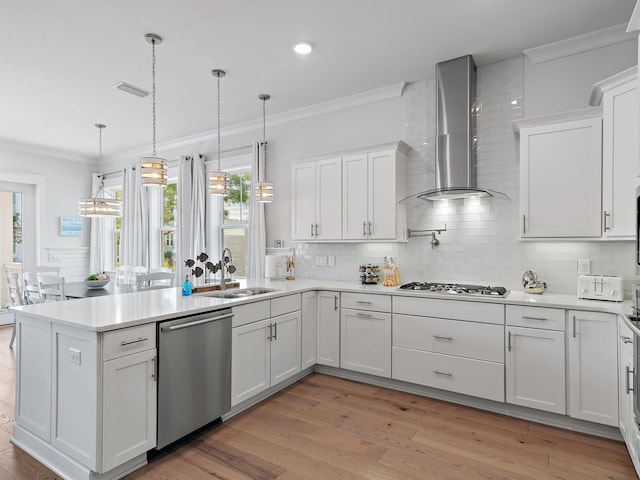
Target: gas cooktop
(454,288)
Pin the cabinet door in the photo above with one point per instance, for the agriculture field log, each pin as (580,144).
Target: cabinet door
(560,179)
(328,223)
(365,342)
(535,368)
(285,346)
(354,197)
(328,337)
(593,361)
(625,393)
(303,200)
(250,360)
(382,206)
(308,330)
(129,408)
(620,160)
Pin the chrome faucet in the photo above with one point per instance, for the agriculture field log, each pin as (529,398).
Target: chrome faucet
(226,264)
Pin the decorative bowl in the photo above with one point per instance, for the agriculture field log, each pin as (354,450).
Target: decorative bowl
(97,283)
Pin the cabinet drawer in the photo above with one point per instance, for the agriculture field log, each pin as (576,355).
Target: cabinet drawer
(454,337)
(126,341)
(282,305)
(251,312)
(455,374)
(536,317)
(366,301)
(456,310)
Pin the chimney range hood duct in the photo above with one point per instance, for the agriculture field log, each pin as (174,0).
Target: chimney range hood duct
(455,134)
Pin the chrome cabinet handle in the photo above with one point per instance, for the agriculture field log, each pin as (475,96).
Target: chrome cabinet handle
(446,374)
(275,331)
(631,371)
(440,337)
(312,230)
(535,318)
(370,229)
(363,302)
(153,368)
(317,231)
(524,224)
(365,315)
(574,326)
(335,303)
(606,214)
(364,229)
(508,341)
(131,342)
(626,339)
(270,336)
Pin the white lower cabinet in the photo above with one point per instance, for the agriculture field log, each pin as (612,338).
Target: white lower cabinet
(365,334)
(328,333)
(593,364)
(308,330)
(626,387)
(265,351)
(535,373)
(450,353)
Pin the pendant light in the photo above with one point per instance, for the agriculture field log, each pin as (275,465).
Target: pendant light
(219,183)
(264,189)
(153,169)
(102,204)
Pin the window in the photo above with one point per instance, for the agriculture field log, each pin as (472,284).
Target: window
(117,191)
(17,226)
(168,229)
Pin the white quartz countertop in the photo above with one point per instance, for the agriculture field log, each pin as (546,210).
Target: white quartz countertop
(111,312)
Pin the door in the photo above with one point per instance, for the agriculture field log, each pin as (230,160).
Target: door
(328,337)
(382,207)
(328,223)
(593,363)
(285,346)
(251,360)
(355,197)
(129,408)
(365,342)
(308,330)
(535,373)
(303,201)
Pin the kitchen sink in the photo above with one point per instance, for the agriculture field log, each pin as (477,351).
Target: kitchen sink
(239,293)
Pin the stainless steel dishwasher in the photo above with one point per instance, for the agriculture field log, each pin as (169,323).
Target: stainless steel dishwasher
(194,373)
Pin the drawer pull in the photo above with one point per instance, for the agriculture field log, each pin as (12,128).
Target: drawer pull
(363,302)
(335,302)
(131,342)
(446,374)
(574,326)
(626,339)
(509,341)
(365,315)
(535,318)
(629,386)
(440,337)
(153,368)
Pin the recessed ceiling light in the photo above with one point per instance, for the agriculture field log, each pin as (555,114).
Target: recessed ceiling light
(303,48)
(137,91)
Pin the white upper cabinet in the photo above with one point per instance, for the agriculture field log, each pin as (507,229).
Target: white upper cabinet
(561,176)
(316,200)
(351,196)
(620,152)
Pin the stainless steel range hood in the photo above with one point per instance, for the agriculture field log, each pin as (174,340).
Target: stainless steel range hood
(455,175)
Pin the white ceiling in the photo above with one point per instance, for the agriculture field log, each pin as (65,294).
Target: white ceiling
(60,60)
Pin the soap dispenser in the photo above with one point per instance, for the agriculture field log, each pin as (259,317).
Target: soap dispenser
(187,288)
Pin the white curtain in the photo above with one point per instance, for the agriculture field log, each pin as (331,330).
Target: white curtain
(257,232)
(192,195)
(100,229)
(134,237)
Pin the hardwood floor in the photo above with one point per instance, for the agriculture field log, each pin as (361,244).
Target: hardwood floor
(329,428)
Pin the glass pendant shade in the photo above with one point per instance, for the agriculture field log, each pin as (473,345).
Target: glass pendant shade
(264,192)
(153,172)
(219,184)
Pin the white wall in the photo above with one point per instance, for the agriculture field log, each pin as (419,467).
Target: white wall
(565,83)
(64,182)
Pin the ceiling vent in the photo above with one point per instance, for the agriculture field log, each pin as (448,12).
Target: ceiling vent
(126,87)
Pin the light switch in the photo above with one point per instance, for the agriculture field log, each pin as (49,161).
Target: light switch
(332,260)
(584,267)
(74,356)
(321,260)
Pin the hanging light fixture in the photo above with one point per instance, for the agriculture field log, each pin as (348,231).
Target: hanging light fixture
(153,169)
(102,204)
(219,183)
(264,189)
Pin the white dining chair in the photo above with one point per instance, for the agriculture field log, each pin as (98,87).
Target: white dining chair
(31,287)
(126,275)
(155,279)
(42,269)
(51,288)
(16,296)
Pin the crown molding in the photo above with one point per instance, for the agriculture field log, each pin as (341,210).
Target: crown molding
(614,81)
(185,143)
(567,116)
(43,151)
(581,43)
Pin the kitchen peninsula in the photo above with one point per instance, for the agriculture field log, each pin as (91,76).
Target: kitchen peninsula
(79,361)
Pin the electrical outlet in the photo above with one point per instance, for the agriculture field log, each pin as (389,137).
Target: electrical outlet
(332,260)
(74,356)
(321,260)
(584,267)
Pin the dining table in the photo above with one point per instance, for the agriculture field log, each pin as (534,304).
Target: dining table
(81,290)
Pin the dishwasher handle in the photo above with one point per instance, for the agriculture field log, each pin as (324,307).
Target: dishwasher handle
(172,328)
